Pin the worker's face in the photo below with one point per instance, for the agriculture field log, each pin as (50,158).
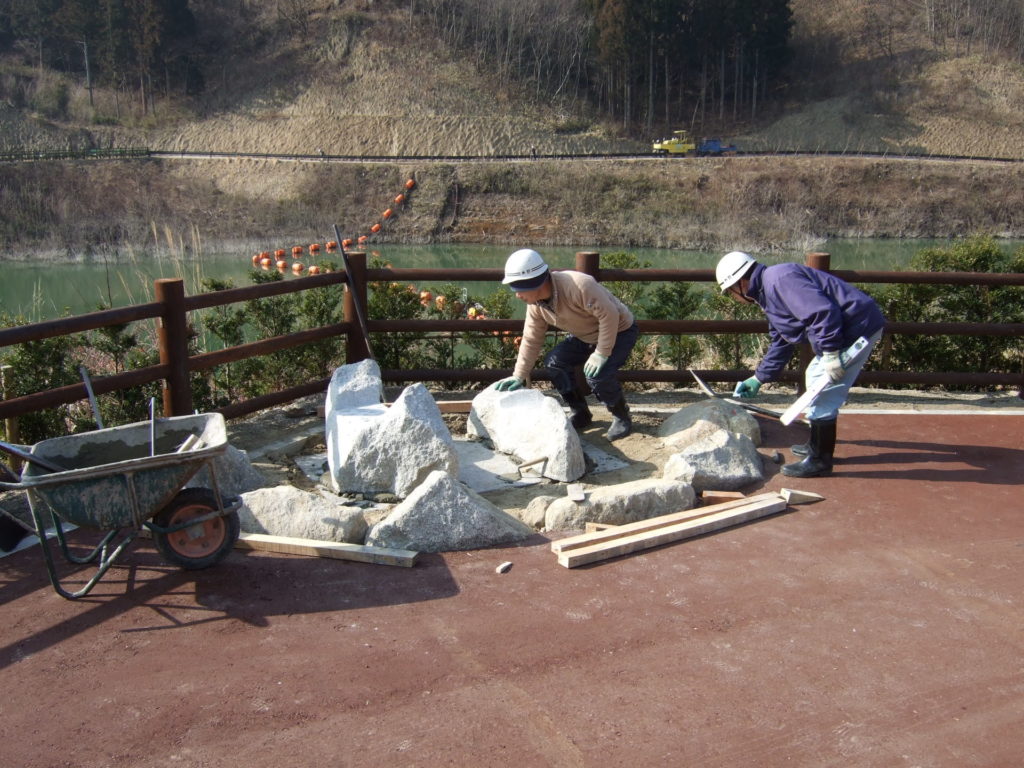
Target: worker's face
(537,294)
(738,291)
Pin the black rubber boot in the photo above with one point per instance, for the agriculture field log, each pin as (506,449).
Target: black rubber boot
(622,422)
(579,414)
(820,448)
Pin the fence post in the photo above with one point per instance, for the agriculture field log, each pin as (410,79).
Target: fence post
(589,262)
(356,348)
(172,336)
(819,260)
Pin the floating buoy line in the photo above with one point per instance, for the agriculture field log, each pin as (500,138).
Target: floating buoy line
(278,259)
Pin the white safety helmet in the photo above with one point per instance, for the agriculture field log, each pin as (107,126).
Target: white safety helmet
(731,267)
(525,270)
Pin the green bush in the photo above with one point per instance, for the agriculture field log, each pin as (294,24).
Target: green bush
(957,303)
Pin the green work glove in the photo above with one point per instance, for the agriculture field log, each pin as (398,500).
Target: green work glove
(593,365)
(511,384)
(747,388)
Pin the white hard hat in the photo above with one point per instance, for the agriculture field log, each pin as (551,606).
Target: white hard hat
(732,267)
(525,269)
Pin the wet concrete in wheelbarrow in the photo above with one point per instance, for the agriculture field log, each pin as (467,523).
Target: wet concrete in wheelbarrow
(879,627)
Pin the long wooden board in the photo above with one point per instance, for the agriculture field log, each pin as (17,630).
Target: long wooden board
(654,523)
(293,546)
(671,533)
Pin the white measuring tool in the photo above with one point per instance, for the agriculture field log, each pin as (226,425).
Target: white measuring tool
(804,401)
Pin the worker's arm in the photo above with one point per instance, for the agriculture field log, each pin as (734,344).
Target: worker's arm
(534,330)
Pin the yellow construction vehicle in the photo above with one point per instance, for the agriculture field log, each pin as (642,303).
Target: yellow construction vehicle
(679,144)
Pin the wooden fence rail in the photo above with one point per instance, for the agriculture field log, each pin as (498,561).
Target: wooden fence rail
(172,307)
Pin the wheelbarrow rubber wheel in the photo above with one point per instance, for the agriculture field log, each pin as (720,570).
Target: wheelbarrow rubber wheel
(200,545)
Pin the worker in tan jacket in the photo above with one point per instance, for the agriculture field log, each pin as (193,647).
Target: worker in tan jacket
(602,333)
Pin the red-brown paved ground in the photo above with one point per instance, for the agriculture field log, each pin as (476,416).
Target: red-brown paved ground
(880,627)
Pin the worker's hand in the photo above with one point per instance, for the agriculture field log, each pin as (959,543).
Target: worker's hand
(511,384)
(833,366)
(593,365)
(747,388)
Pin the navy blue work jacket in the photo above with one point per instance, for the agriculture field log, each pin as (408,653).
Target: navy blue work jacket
(803,304)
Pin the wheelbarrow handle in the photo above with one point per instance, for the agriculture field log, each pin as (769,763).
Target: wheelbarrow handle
(22,452)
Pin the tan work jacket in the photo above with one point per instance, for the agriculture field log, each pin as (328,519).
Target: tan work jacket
(578,305)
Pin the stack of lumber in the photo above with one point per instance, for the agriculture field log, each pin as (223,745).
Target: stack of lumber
(612,541)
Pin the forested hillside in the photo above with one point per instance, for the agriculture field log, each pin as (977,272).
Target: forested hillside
(560,74)
(511,77)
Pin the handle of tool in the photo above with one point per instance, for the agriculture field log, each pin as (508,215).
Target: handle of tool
(360,316)
(92,397)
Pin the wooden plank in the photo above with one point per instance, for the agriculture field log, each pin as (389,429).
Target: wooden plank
(654,538)
(340,551)
(593,527)
(717,497)
(652,523)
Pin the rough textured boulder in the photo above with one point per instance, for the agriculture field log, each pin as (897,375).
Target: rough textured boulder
(372,449)
(620,504)
(235,474)
(442,515)
(354,386)
(529,425)
(723,460)
(695,422)
(288,511)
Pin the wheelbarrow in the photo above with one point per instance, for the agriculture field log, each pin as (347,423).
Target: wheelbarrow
(125,479)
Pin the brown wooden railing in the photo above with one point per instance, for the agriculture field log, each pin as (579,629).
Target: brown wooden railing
(171,307)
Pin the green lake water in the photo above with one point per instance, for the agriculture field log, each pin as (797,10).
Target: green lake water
(40,291)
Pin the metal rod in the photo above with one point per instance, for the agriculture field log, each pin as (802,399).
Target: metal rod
(92,396)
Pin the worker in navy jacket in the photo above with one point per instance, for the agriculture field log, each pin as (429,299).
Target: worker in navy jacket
(806,305)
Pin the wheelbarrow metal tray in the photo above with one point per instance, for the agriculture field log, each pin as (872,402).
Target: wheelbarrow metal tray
(110,479)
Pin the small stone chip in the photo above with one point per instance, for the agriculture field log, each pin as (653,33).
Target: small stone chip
(504,567)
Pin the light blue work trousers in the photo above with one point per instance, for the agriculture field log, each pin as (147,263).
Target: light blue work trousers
(826,406)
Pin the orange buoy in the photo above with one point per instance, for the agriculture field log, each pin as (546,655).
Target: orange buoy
(346,243)
(410,184)
(279,253)
(375,228)
(399,199)
(332,245)
(388,213)
(362,239)
(297,250)
(282,265)
(425,297)
(439,302)
(314,269)
(315,247)
(298,267)
(256,258)
(266,262)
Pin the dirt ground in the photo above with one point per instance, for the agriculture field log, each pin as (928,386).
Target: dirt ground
(879,627)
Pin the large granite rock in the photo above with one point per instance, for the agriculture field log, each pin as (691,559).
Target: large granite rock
(288,511)
(620,504)
(528,425)
(442,515)
(695,422)
(721,461)
(375,449)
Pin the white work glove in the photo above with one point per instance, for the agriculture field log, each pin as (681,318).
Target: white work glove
(833,366)
(593,365)
(511,384)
